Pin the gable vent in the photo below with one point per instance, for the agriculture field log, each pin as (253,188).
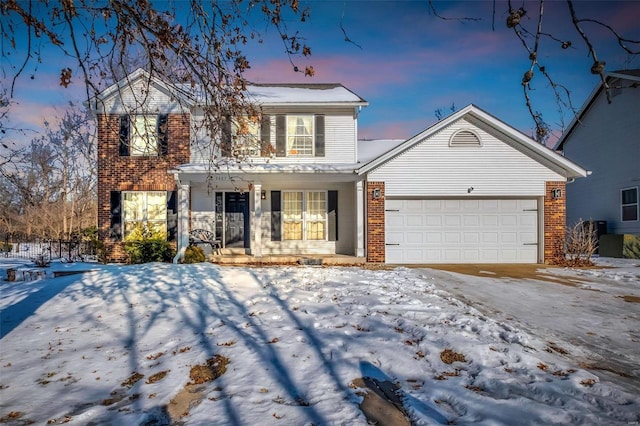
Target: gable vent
(464,138)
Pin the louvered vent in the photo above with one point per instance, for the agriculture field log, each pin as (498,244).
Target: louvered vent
(465,138)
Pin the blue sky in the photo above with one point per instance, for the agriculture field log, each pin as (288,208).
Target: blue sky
(407,63)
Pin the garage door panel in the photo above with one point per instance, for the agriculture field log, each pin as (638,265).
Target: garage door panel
(395,221)
(452,220)
(415,221)
(461,231)
(471,220)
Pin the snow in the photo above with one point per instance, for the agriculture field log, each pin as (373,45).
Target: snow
(370,149)
(269,94)
(296,338)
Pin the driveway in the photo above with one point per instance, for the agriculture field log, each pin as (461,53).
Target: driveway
(591,314)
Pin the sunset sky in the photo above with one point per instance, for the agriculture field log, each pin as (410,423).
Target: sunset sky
(407,62)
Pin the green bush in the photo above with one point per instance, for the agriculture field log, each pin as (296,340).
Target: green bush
(6,247)
(148,244)
(194,254)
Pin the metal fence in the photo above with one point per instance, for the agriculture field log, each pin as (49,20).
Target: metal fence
(47,249)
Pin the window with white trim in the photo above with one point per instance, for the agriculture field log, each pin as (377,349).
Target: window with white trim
(300,133)
(304,215)
(629,204)
(246,136)
(143,139)
(144,208)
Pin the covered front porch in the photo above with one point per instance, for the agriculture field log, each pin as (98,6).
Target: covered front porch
(273,216)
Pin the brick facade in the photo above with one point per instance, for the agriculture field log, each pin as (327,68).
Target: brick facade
(375,223)
(126,173)
(555,220)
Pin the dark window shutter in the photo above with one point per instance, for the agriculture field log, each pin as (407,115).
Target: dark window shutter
(225,143)
(276,216)
(115,227)
(163,134)
(281,136)
(319,151)
(332,208)
(172,215)
(265,136)
(124,135)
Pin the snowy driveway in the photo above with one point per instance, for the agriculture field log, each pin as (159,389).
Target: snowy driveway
(596,312)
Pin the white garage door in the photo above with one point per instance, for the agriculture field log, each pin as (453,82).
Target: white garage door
(461,231)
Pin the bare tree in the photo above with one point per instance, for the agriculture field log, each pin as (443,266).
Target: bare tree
(194,47)
(530,28)
(50,188)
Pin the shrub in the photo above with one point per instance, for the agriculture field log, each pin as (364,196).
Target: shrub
(581,242)
(6,247)
(146,243)
(631,246)
(194,254)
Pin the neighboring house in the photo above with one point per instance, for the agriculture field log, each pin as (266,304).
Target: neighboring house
(605,138)
(467,189)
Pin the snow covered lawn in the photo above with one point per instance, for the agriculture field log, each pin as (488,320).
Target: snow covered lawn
(118,345)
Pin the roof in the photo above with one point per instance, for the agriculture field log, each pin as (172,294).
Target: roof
(370,149)
(632,75)
(303,94)
(275,94)
(525,143)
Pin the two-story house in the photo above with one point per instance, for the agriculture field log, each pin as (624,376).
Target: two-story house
(469,189)
(605,137)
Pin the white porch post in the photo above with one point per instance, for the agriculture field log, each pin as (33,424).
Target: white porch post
(360,217)
(183,220)
(256,223)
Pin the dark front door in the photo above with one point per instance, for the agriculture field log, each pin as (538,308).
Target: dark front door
(236,209)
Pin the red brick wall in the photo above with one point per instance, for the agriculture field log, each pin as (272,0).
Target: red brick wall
(375,223)
(116,173)
(555,220)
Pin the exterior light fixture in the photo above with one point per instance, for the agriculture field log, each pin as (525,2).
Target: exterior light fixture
(376,193)
(469,189)
(263,195)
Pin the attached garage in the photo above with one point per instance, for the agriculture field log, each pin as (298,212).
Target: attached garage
(461,231)
(469,189)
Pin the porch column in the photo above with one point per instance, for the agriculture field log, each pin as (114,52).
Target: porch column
(183,221)
(256,225)
(360,212)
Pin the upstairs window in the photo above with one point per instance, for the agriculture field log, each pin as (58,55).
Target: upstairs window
(143,135)
(629,204)
(246,137)
(300,135)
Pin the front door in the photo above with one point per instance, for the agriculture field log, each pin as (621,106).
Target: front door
(236,209)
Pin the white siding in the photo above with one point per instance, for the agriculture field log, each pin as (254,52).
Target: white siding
(340,137)
(432,168)
(140,98)
(607,143)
